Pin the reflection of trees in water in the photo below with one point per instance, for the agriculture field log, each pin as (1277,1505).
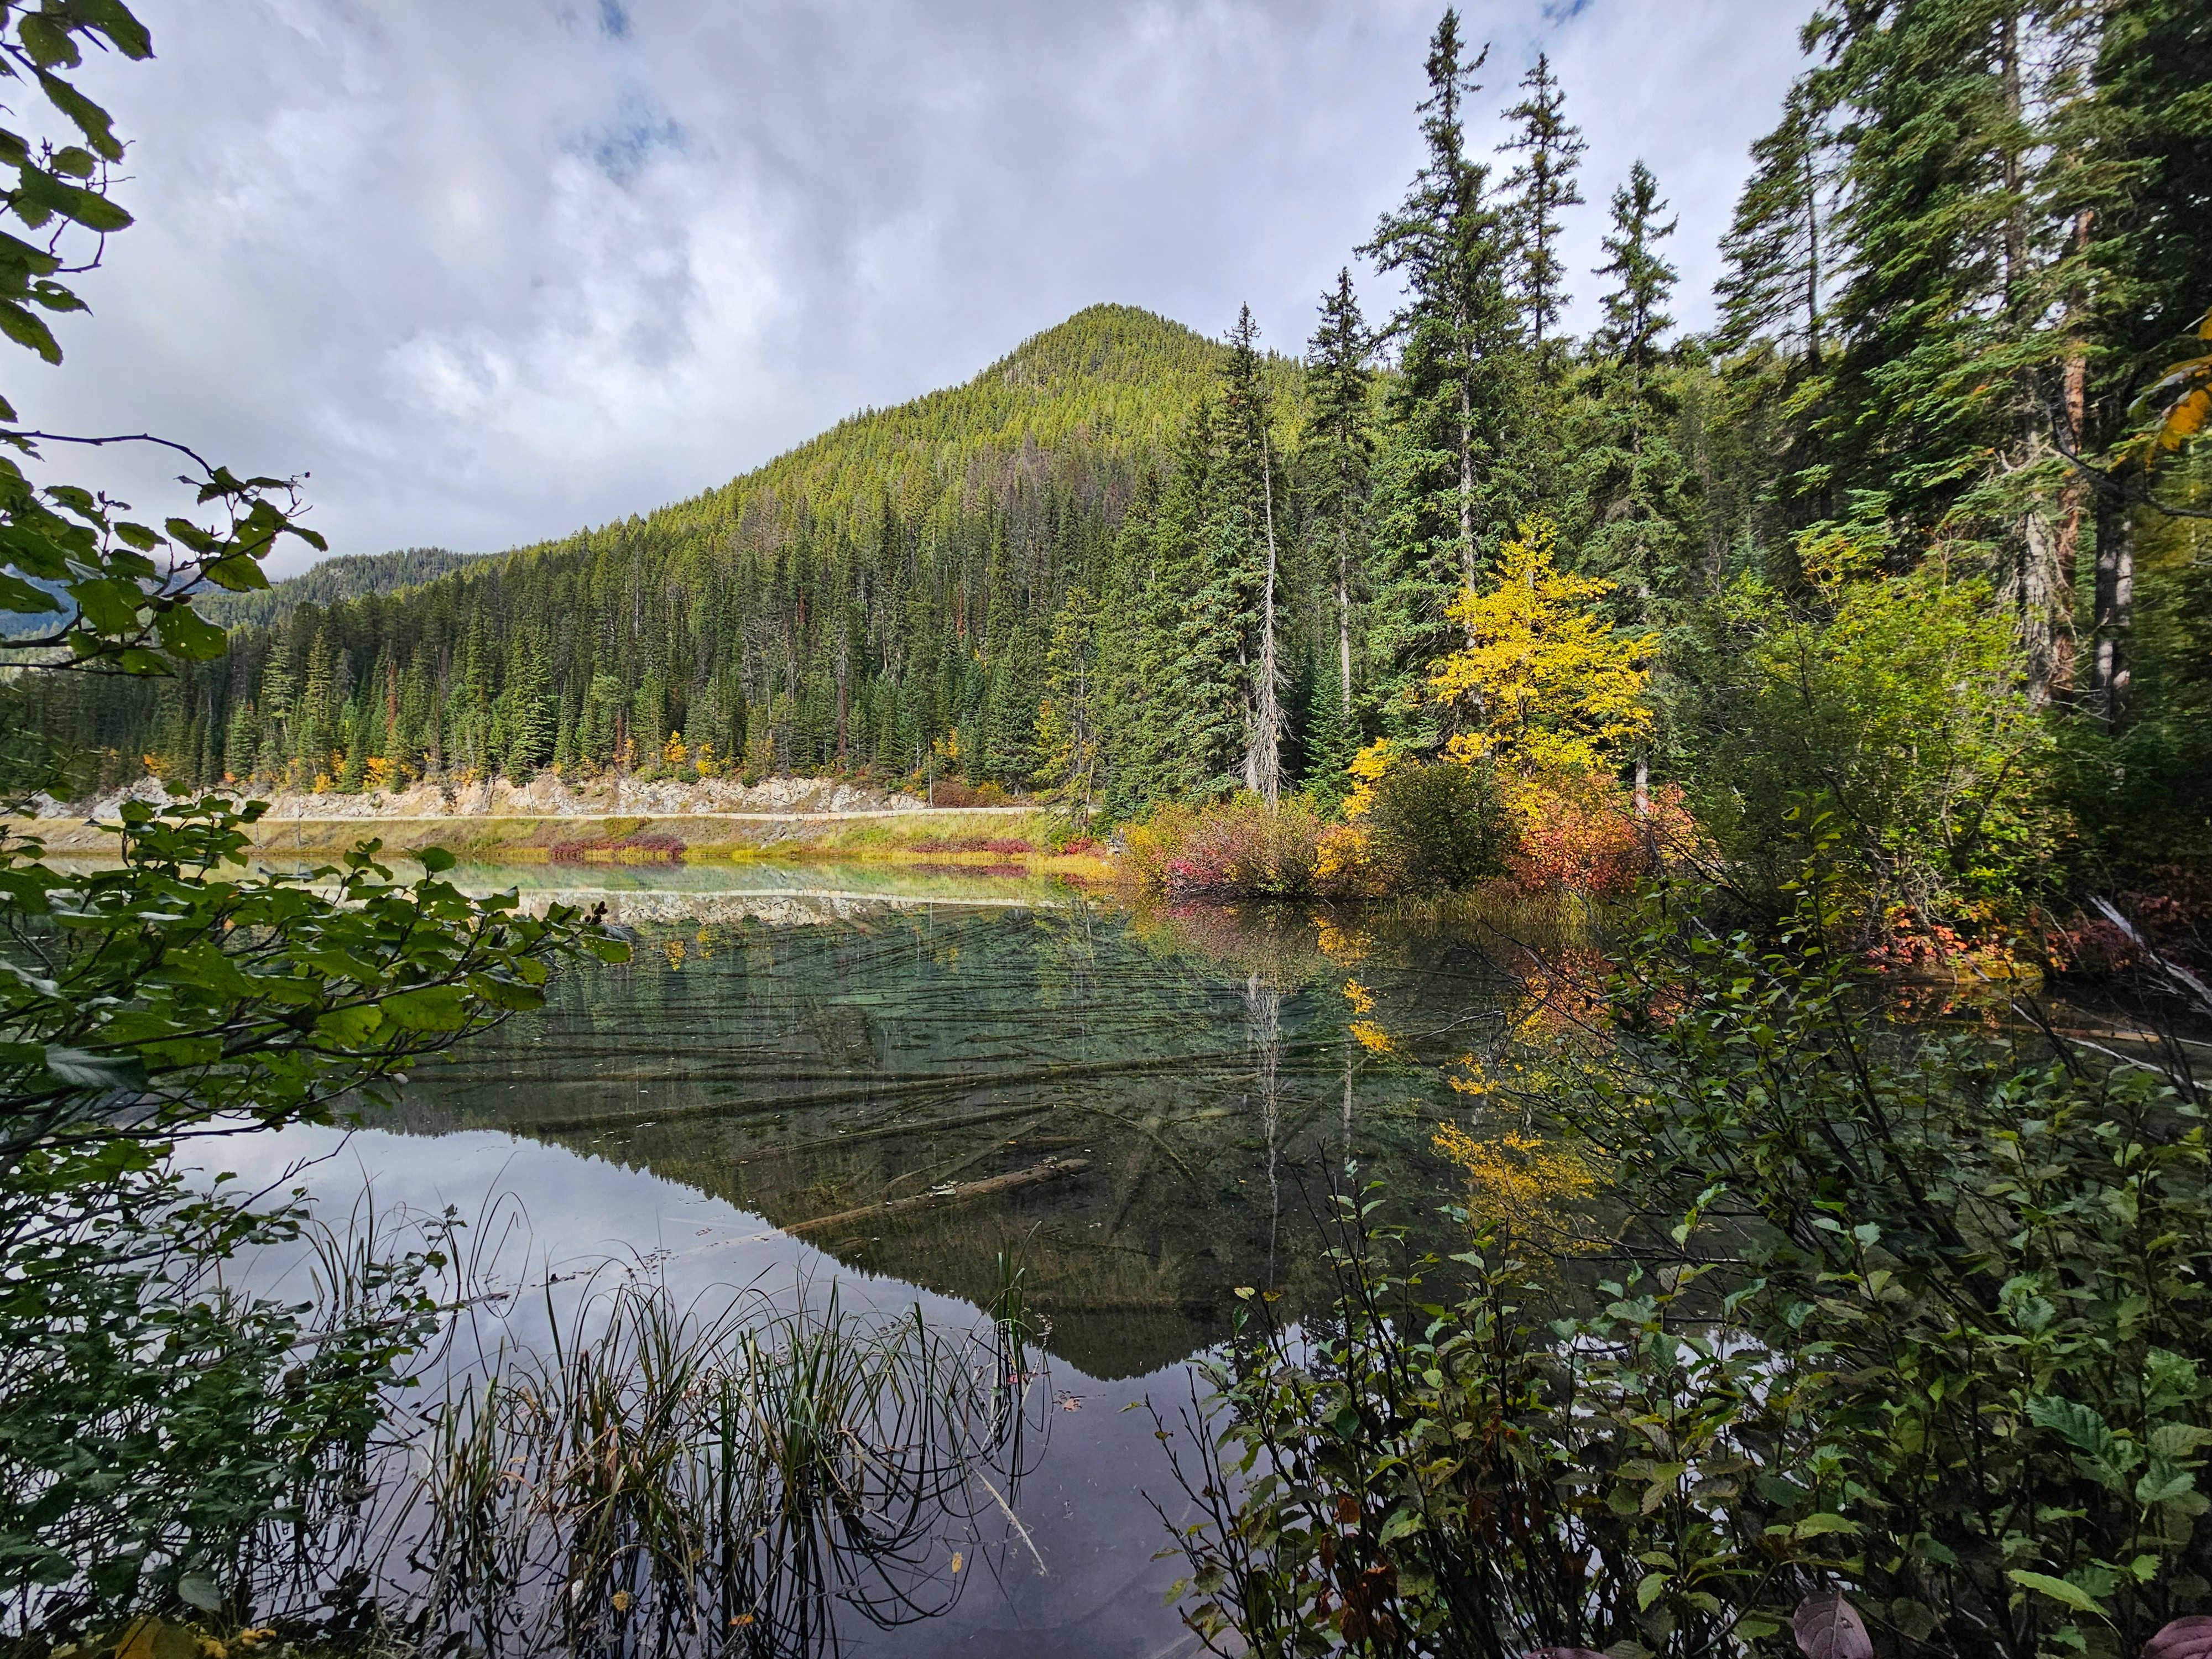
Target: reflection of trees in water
(1195,1059)
(1263,1003)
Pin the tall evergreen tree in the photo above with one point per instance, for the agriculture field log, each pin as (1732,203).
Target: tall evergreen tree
(2128,191)
(1542,187)
(1776,244)
(1069,727)
(1451,485)
(1243,513)
(1632,463)
(1337,450)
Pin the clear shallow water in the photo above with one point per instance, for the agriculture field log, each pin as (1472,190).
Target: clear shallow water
(796,1044)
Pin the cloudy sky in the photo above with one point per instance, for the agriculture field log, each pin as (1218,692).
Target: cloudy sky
(490,271)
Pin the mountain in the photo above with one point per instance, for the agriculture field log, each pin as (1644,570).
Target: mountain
(331,582)
(882,593)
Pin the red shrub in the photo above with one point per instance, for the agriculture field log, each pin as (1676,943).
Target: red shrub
(1595,844)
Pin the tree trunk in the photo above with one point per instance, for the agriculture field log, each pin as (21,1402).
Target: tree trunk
(844,666)
(1466,481)
(2114,604)
(2073,498)
(1268,771)
(1344,618)
(2040,582)
(1812,260)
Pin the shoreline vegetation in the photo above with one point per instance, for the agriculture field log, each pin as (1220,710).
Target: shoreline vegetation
(784,820)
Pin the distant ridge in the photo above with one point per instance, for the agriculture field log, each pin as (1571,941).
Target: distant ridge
(352,576)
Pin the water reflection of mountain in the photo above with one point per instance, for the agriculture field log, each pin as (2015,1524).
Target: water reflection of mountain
(1199,1068)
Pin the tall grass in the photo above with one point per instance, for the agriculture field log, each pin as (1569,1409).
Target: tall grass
(751,1477)
(746,1473)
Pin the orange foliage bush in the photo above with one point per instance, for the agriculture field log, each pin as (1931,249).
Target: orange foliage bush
(1590,840)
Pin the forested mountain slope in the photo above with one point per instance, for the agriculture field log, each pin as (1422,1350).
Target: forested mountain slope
(886,586)
(330,582)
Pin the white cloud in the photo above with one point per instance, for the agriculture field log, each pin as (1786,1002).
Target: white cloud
(494,272)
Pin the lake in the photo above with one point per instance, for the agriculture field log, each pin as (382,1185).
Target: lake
(884,1082)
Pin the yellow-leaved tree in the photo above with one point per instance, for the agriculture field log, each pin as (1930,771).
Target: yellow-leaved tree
(1545,690)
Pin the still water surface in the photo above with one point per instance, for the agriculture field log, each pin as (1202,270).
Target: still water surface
(790,1051)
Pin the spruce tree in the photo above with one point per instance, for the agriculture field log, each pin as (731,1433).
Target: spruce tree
(1199,608)
(1068,731)
(1452,482)
(1243,516)
(1631,463)
(1337,451)
(1542,187)
(1775,246)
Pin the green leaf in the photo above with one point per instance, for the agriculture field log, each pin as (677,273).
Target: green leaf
(502,994)
(2058,1590)
(1400,1523)
(110,605)
(20,598)
(188,634)
(82,1069)
(351,1026)
(2162,1487)
(24,328)
(238,573)
(47,42)
(113,19)
(433,1008)
(1654,1585)
(2083,1428)
(1813,1526)
(93,122)
(2171,1441)
(435,859)
(198,1591)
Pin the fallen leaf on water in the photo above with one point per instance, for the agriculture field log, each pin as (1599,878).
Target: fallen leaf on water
(622,1601)
(956,1560)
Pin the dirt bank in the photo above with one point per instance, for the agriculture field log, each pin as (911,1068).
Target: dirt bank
(624,822)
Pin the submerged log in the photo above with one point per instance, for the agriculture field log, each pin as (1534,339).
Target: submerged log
(1051,1169)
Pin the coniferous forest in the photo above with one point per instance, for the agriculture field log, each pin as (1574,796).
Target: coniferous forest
(1128,564)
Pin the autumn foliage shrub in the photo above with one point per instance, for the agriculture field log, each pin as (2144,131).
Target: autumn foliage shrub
(1240,849)
(958,792)
(1004,846)
(1591,841)
(1438,826)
